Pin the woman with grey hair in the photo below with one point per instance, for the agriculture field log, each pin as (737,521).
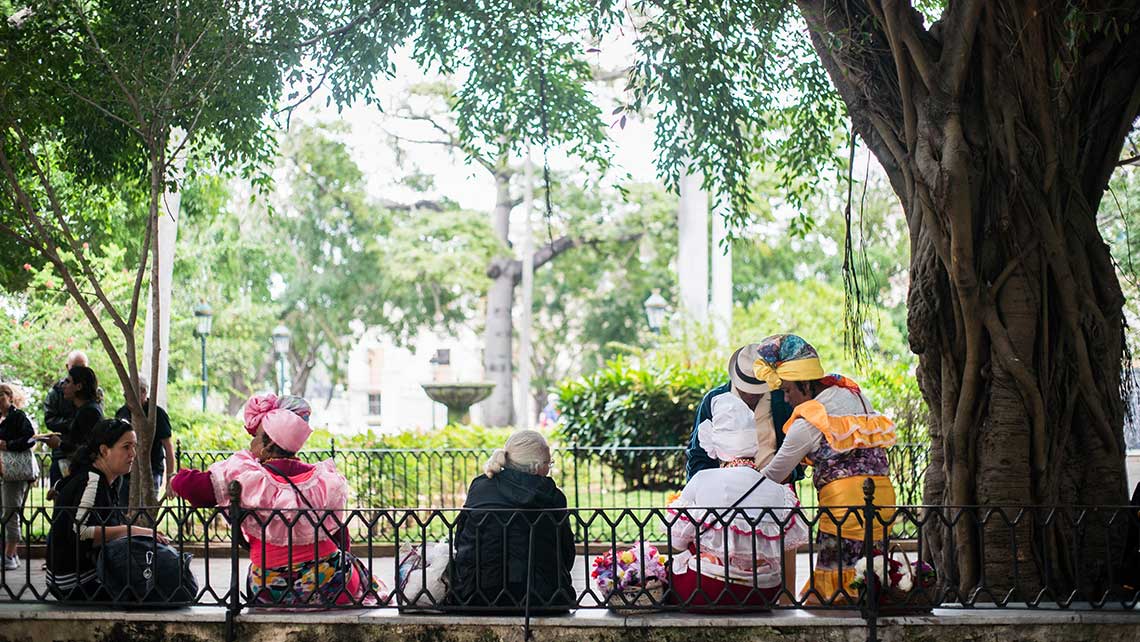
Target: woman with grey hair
(514,532)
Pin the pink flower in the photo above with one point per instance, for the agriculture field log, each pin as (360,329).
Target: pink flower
(27,266)
(85,246)
(50,283)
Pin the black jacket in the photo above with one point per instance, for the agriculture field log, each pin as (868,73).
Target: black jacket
(16,430)
(495,549)
(85,504)
(79,431)
(58,412)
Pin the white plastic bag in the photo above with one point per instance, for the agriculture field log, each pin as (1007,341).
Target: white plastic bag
(422,574)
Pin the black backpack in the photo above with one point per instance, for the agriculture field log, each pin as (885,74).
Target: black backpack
(141,570)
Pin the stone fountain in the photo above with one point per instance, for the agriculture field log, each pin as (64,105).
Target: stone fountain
(458,397)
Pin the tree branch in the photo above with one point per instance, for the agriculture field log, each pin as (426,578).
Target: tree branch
(52,255)
(345,28)
(452,139)
(864,73)
(563,244)
(57,210)
(960,26)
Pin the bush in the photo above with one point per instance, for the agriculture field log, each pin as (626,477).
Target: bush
(196,430)
(625,405)
(893,389)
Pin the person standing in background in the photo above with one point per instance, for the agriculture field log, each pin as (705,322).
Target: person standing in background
(16,433)
(58,412)
(81,388)
(161,449)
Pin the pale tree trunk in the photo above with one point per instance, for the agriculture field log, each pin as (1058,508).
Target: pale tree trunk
(497,353)
(156,338)
(999,141)
(693,247)
(142,486)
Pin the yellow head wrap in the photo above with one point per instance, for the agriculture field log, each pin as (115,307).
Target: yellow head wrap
(775,375)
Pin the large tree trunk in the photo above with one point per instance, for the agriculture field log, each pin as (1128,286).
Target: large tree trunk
(498,409)
(999,140)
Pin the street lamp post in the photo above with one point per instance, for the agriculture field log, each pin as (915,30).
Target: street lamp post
(655,307)
(281,347)
(204,317)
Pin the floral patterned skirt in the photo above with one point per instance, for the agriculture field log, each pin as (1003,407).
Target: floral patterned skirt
(340,578)
(834,569)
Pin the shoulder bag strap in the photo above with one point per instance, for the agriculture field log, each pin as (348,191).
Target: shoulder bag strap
(341,536)
(749,491)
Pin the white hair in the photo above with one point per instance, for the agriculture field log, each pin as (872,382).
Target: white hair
(525,451)
(76,358)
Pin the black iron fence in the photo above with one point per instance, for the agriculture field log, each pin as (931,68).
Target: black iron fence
(591,477)
(1018,557)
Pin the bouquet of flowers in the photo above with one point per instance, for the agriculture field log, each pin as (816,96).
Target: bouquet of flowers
(897,579)
(637,575)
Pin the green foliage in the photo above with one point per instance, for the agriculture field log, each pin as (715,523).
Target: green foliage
(591,299)
(351,260)
(525,78)
(41,325)
(652,400)
(220,262)
(452,436)
(196,430)
(205,431)
(625,405)
(893,388)
(733,88)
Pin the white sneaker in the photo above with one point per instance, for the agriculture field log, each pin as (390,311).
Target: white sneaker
(11,563)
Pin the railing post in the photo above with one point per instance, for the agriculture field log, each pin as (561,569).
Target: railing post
(871,577)
(574,456)
(234,607)
(332,449)
(177,456)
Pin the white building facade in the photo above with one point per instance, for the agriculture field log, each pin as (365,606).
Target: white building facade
(382,391)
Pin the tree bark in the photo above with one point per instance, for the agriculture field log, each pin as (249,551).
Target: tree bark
(999,137)
(498,409)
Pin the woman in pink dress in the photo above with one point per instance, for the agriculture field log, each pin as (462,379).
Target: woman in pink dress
(299,554)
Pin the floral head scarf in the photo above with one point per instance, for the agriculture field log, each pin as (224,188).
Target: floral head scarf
(786,357)
(297,405)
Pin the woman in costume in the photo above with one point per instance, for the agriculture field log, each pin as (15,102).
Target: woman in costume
(295,559)
(742,544)
(834,429)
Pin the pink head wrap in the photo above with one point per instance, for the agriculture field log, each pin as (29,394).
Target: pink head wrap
(286,429)
(256,409)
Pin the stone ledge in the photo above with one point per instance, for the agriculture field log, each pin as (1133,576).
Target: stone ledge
(592,618)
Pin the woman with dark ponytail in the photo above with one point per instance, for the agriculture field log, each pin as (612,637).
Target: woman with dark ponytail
(86,515)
